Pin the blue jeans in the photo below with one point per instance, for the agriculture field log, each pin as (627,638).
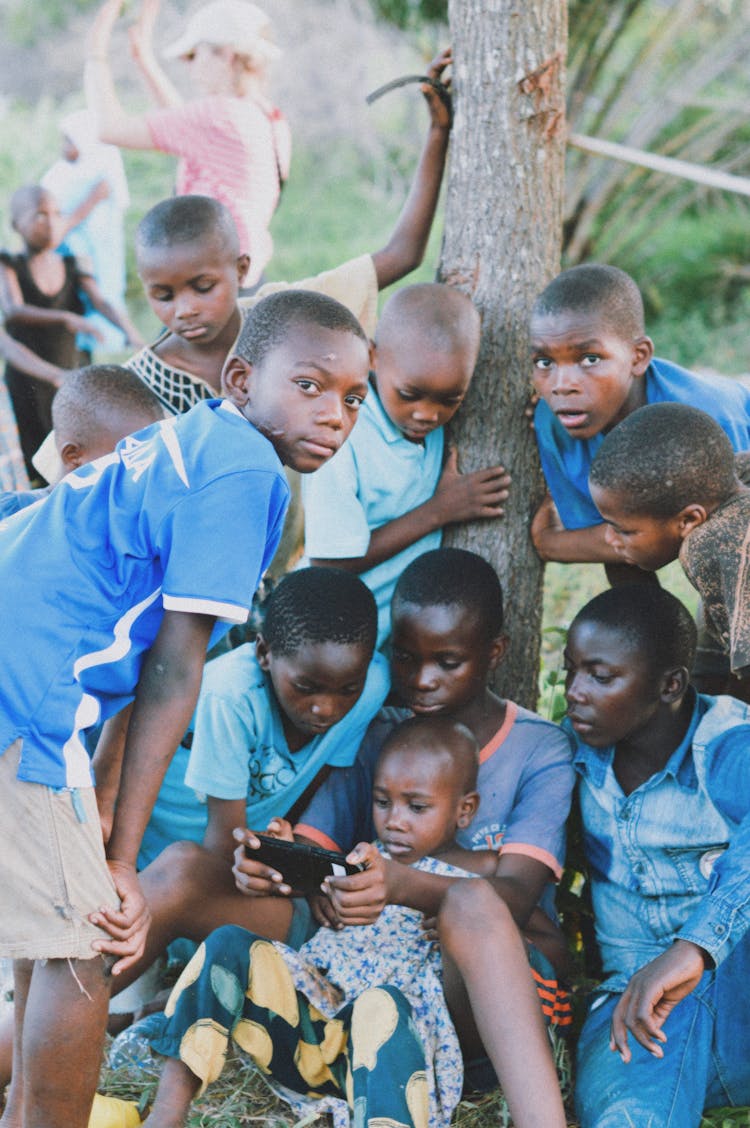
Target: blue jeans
(706,1063)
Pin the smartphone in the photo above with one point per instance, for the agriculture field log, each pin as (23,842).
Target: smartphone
(303,867)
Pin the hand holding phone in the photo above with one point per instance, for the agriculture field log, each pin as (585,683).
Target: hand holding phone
(303,868)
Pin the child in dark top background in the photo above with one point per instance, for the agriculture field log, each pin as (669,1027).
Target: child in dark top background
(41,298)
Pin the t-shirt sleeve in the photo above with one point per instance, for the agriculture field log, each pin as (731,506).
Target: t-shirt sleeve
(354,284)
(536,825)
(179,129)
(224,737)
(335,520)
(217,542)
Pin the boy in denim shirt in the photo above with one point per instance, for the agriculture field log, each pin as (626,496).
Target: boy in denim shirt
(665,803)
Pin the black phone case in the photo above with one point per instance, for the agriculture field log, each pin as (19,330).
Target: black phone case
(303,867)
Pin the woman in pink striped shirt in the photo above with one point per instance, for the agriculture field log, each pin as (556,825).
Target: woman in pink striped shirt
(232,143)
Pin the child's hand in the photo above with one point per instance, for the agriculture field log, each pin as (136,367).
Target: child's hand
(323,911)
(652,994)
(545,525)
(440,114)
(128,926)
(280,828)
(252,878)
(100,32)
(530,408)
(74,323)
(466,497)
(360,898)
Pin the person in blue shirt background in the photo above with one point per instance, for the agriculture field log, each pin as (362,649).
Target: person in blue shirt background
(664,789)
(593,366)
(112,588)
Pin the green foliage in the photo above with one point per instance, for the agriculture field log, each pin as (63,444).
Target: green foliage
(25,24)
(412,13)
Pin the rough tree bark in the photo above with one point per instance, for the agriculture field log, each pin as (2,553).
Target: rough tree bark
(501,246)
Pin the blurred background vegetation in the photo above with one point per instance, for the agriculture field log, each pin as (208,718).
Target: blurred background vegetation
(669,76)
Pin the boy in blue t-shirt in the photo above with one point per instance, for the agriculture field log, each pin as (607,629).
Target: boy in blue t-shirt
(119,578)
(593,366)
(386,499)
(664,789)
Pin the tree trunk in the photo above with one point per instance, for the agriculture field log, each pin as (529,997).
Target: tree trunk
(502,244)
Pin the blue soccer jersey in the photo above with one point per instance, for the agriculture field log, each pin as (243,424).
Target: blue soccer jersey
(184,516)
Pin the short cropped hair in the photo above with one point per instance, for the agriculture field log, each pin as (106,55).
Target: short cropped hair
(652,620)
(317,605)
(436,735)
(596,288)
(663,457)
(88,397)
(27,196)
(187,219)
(269,322)
(450,577)
(430,315)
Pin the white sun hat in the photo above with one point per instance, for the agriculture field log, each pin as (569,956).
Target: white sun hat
(228,23)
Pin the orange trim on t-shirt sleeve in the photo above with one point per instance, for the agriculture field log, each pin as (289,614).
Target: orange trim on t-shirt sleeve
(535,852)
(317,836)
(492,745)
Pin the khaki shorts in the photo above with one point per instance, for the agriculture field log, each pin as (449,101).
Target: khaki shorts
(52,868)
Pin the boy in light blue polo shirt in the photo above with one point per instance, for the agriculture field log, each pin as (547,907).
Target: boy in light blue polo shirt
(384,500)
(247,740)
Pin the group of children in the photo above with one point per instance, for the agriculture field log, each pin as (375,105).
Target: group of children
(444,949)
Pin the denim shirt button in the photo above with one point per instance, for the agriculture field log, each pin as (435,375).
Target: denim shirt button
(719,929)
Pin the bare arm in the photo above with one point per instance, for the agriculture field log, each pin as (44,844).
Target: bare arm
(115,125)
(141,35)
(27,361)
(359,899)
(458,497)
(223,816)
(118,317)
(15,309)
(406,247)
(107,766)
(99,192)
(553,541)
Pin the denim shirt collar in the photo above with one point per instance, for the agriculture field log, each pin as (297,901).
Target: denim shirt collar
(595,763)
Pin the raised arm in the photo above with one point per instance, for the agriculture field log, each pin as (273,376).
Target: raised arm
(114,124)
(405,249)
(141,35)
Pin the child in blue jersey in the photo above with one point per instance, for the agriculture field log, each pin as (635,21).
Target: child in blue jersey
(386,500)
(114,587)
(665,803)
(593,366)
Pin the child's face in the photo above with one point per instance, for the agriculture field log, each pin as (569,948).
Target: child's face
(422,392)
(610,690)
(305,394)
(38,222)
(642,539)
(318,684)
(416,803)
(588,376)
(192,287)
(440,657)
